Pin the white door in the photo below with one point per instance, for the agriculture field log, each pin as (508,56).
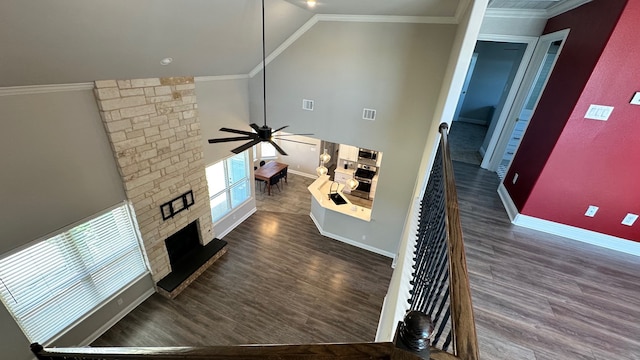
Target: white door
(541,66)
(465,86)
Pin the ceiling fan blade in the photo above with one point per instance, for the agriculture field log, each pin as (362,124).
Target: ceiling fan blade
(243,132)
(279,136)
(255,127)
(278,148)
(221,140)
(244,147)
(295,141)
(275,131)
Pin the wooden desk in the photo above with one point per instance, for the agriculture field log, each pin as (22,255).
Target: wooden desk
(268,171)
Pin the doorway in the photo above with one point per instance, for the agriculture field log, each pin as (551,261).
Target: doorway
(488,82)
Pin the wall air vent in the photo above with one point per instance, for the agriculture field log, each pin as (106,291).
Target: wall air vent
(307,105)
(368,114)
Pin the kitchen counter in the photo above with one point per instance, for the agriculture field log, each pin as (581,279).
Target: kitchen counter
(320,189)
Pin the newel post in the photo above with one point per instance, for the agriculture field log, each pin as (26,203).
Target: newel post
(36,349)
(414,332)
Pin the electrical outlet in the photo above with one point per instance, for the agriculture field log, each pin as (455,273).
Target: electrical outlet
(515,178)
(629,219)
(591,211)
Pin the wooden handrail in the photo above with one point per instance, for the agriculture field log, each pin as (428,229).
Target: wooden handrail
(462,319)
(352,351)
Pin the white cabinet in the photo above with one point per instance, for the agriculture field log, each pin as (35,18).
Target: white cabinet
(348,152)
(379,159)
(342,176)
(374,185)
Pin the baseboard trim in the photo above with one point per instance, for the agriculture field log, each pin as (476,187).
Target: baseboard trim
(129,308)
(349,241)
(566,231)
(508,203)
(482,151)
(582,235)
(310,176)
(235,224)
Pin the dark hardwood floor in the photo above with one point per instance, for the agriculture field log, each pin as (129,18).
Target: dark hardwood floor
(538,296)
(280,282)
(535,296)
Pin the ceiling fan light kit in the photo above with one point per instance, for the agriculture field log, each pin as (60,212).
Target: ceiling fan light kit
(262,133)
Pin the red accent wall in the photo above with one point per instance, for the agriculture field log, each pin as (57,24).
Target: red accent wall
(598,162)
(591,25)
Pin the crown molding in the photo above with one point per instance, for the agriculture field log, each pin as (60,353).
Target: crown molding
(516,13)
(220,78)
(41,89)
(565,6)
(389,19)
(290,40)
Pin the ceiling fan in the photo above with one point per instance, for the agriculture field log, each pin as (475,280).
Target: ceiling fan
(264,132)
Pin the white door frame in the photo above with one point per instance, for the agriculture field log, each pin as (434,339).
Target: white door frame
(511,115)
(531,42)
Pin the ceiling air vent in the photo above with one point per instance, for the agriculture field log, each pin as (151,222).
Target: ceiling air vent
(368,114)
(307,105)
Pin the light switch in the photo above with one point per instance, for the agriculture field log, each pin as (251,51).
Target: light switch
(636,99)
(629,219)
(599,112)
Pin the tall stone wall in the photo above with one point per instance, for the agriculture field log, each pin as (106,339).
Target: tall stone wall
(155,136)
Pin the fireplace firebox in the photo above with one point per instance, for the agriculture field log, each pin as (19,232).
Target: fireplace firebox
(188,258)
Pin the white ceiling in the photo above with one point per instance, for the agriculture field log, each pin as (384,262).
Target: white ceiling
(71,41)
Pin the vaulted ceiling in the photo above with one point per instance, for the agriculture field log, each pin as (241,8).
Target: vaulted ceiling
(70,41)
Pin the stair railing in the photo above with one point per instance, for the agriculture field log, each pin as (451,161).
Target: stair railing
(432,272)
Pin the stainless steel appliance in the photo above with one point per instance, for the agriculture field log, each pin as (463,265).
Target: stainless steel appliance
(364,174)
(368,157)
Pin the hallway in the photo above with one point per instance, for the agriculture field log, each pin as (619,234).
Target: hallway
(542,297)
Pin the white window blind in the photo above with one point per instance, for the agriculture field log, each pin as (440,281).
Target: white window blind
(52,284)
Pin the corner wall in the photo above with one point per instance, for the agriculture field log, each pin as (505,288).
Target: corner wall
(591,26)
(595,162)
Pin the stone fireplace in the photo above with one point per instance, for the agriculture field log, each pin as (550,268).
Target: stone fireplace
(154,131)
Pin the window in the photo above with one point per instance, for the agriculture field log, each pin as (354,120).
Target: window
(229,185)
(51,284)
(267,150)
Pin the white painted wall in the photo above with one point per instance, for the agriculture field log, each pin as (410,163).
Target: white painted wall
(57,168)
(301,158)
(222,102)
(394,68)
(57,165)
